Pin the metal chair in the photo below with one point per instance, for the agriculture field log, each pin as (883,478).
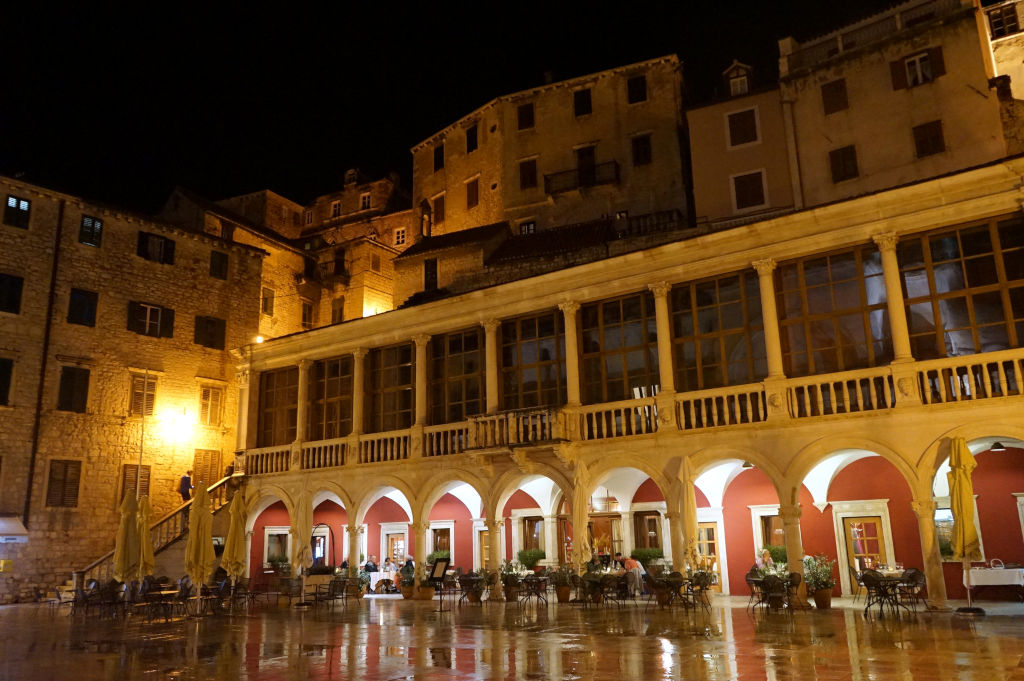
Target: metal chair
(856,583)
(911,588)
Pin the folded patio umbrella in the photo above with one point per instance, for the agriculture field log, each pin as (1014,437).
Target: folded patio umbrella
(146,560)
(300,531)
(127,549)
(966,546)
(199,555)
(233,559)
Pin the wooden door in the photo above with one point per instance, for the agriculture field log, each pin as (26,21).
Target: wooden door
(484,558)
(396,548)
(206,468)
(865,542)
(707,548)
(647,530)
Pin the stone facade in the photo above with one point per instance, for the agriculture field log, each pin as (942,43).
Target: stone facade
(105,436)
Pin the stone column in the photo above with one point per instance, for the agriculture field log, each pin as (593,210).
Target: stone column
(492,388)
(770,316)
(628,529)
(422,341)
(353,547)
(675,529)
(358,389)
(301,413)
(572,353)
(664,325)
(242,425)
(418,528)
(495,549)
(790,514)
(894,297)
(925,512)
(551,540)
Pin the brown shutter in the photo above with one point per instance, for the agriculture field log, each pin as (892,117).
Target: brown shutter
(936,62)
(73,473)
(130,472)
(55,484)
(142,247)
(134,315)
(898,69)
(168,251)
(166,322)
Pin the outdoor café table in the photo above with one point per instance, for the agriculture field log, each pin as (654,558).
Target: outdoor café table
(161,602)
(471,584)
(377,577)
(885,592)
(1011,577)
(534,587)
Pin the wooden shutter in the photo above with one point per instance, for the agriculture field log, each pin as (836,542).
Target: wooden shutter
(62,486)
(166,323)
(136,321)
(74,389)
(128,477)
(209,405)
(938,65)
(898,69)
(143,395)
(168,251)
(206,467)
(142,248)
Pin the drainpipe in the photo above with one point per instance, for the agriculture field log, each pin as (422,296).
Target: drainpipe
(43,364)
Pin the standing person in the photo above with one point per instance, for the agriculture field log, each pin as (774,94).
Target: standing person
(185,486)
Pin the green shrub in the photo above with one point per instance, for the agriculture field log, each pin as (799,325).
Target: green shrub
(647,556)
(778,554)
(441,553)
(320,570)
(530,557)
(562,575)
(818,572)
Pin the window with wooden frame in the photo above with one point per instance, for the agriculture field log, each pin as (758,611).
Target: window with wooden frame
(430,274)
(472,193)
(134,476)
(619,349)
(471,138)
(833,96)
(143,395)
(6,373)
(528,174)
(533,361)
(524,116)
(400,236)
(308,314)
(742,127)
(278,407)
(10,293)
(335,209)
(1003,21)
(917,69)
(62,483)
(928,139)
(641,145)
(964,288)
(17,211)
(330,398)
(267,301)
(73,394)
(438,209)
(391,388)
(155,248)
(832,312)
(209,332)
(636,89)
(718,332)
(582,104)
(150,320)
(748,191)
(843,163)
(439,156)
(218,265)
(211,405)
(82,307)
(90,231)
(456,376)
(533,533)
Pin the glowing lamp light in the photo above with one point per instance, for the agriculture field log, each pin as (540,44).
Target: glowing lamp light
(176,425)
(259,339)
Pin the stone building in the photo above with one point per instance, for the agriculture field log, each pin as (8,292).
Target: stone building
(115,332)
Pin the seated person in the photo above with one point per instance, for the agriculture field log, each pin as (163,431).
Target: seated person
(619,563)
(634,574)
(371,564)
(388,566)
(408,571)
(765,559)
(594,564)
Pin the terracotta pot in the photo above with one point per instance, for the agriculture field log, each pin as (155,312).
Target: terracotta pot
(563,593)
(425,593)
(662,597)
(473,596)
(823,599)
(511,593)
(407,591)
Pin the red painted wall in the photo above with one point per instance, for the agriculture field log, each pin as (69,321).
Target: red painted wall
(449,507)
(384,511)
(648,491)
(749,487)
(274,515)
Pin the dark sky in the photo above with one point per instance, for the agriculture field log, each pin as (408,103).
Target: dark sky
(121,106)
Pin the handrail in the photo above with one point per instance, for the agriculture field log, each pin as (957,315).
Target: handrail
(618,419)
(715,407)
(856,390)
(971,377)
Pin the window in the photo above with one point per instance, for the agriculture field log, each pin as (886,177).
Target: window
(748,191)
(641,150)
(619,349)
(338,310)
(309,217)
(472,194)
(330,398)
(307,315)
(6,371)
(10,293)
(218,265)
(391,399)
(278,407)
(742,127)
(132,473)
(533,361)
(964,289)
(524,116)
(717,336)
(16,211)
(400,236)
(636,89)
(833,96)
(209,332)
(471,138)
(335,209)
(738,85)
(375,264)
(1003,21)
(267,302)
(364,201)
(62,483)
(533,533)
(456,376)
(528,227)
(74,389)
(917,69)
(844,163)
(586,166)
(150,320)
(82,307)
(143,395)
(438,209)
(155,248)
(439,157)
(528,174)
(430,274)
(581,103)
(832,313)
(928,139)
(211,398)
(90,232)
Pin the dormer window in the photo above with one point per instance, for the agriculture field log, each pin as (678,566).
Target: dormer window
(738,86)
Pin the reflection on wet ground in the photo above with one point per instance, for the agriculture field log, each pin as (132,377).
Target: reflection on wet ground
(380,638)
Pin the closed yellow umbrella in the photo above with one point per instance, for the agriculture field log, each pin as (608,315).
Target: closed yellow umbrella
(199,555)
(126,545)
(300,531)
(233,559)
(966,546)
(146,561)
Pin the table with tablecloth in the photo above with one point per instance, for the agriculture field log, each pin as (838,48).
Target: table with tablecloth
(376,577)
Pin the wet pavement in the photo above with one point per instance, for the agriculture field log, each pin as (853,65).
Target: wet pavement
(386,638)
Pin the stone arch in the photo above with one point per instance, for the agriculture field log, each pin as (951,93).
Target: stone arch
(607,465)
(378,489)
(937,451)
(707,458)
(509,481)
(333,488)
(439,484)
(812,454)
(265,496)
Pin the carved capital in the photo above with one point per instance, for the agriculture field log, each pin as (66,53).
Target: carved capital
(358,353)
(490,325)
(567,456)
(924,508)
(494,526)
(355,530)
(661,289)
(764,267)
(419,529)
(522,461)
(886,242)
(421,340)
(304,365)
(569,307)
(242,377)
(790,514)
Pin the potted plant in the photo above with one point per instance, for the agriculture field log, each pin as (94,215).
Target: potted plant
(281,565)
(319,574)
(647,556)
(424,592)
(818,573)
(358,588)
(562,579)
(440,553)
(510,571)
(407,584)
(530,557)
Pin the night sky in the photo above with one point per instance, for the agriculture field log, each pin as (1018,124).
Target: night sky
(123,106)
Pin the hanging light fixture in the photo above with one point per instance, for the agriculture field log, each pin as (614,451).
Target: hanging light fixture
(747,464)
(997,447)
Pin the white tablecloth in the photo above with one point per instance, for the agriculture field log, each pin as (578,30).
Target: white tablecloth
(377,576)
(996,577)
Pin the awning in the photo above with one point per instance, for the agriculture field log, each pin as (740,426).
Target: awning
(12,531)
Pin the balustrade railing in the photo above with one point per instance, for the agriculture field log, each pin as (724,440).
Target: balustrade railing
(382,447)
(512,428)
(971,377)
(268,460)
(618,419)
(851,391)
(450,438)
(324,453)
(721,407)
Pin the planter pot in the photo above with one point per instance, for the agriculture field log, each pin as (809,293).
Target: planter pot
(356,591)
(407,591)
(823,599)
(662,597)
(563,593)
(425,593)
(474,596)
(511,593)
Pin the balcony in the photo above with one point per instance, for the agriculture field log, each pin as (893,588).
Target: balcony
(581,177)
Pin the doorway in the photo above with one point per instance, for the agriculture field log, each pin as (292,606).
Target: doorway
(708,550)
(647,530)
(485,549)
(396,548)
(865,542)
